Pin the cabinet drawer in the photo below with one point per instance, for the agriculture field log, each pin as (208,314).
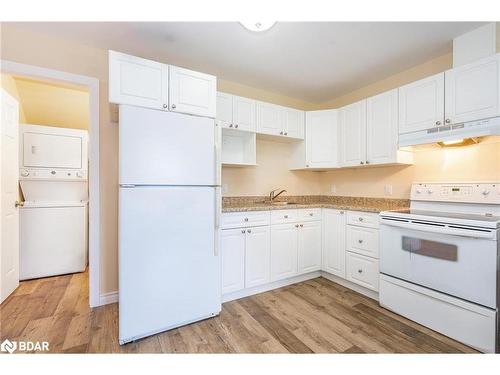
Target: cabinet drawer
(362,241)
(363,219)
(362,270)
(284,216)
(244,219)
(309,214)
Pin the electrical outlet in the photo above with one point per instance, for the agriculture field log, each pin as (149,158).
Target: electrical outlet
(225,188)
(388,189)
(333,189)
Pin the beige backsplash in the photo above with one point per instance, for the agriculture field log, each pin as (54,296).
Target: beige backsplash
(479,162)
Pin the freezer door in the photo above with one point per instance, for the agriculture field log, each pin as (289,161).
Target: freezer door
(169,270)
(166,148)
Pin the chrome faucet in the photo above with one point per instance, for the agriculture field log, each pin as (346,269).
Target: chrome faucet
(273,196)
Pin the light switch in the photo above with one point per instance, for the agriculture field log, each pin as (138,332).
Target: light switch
(388,189)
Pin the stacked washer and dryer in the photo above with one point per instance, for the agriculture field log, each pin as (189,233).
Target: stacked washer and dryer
(54,217)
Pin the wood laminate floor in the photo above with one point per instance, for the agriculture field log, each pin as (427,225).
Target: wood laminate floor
(315,316)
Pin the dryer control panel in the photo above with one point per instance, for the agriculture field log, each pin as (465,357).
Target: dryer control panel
(52,174)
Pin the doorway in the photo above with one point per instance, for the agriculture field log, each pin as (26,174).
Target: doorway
(76,119)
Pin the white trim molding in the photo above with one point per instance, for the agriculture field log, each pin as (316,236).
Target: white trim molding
(107,298)
(92,85)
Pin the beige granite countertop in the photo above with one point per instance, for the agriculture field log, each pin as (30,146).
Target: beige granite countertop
(256,203)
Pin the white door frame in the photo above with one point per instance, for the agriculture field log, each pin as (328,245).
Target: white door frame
(92,84)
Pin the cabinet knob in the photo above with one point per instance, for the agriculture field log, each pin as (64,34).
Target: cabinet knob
(360,218)
(301,225)
(236,126)
(361,162)
(249,231)
(173,106)
(296,225)
(286,133)
(360,271)
(341,212)
(367,162)
(447,120)
(307,165)
(246,219)
(230,125)
(286,216)
(311,214)
(438,123)
(281,133)
(360,241)
(243,231)
(165,106)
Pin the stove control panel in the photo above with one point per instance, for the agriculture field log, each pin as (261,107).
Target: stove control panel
(480,192)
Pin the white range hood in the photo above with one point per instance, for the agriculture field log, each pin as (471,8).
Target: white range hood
(452,132)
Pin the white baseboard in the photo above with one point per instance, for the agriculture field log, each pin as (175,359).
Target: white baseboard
(267,287)
(348,284)
(107,298)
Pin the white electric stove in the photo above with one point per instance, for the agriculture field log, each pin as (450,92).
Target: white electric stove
(439,260)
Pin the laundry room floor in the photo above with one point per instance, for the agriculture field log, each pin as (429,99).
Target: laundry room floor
(315,316)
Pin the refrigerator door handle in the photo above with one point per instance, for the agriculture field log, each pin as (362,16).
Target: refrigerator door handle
(218,207)
(217,155)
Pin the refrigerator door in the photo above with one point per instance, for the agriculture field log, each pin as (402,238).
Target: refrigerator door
(166,148)
(169,267)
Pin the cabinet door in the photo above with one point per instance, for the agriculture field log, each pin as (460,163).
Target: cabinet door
(258,256)
(269,119)
(233,260)
(421,104)
(321,139)
(224,115)
(353,134)
(293,123)
(243,113)
(137,81)
(334,242)
(472,91)
(283,251)
(192,92)
(382,128)
(309,247)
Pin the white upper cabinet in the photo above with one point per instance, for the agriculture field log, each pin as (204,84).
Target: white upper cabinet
(421,104)
(243,113)
(309,247)
(382,128)
(192,92)
(293,120)
(321,144)
(334,242)
(224,110)
(472,91)
(258,256)
(352,120)
(137,81)
(269,119)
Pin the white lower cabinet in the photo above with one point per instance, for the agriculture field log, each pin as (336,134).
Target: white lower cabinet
(257,256)
(233,260)
(362,270)
(283,251)
(334,228)
(309,247)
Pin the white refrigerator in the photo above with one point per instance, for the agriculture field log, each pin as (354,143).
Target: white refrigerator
(169,208)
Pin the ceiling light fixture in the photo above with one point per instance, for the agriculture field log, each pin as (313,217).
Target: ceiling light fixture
(257,26)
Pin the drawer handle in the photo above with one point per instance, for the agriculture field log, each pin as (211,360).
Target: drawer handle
(286,216)
(246,219)
(360,218)
(360,241)
(360,271)
(311,214)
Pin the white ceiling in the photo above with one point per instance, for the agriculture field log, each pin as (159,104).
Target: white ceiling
(312,61)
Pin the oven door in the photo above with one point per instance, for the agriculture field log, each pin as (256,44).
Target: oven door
(459,261)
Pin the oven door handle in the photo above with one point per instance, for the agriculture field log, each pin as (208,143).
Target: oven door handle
(455,231)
